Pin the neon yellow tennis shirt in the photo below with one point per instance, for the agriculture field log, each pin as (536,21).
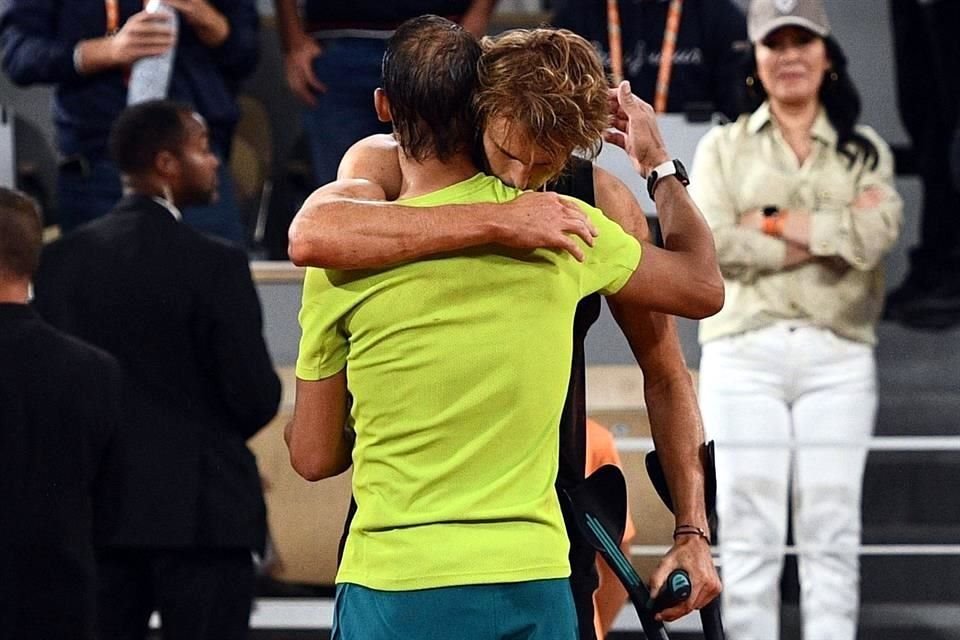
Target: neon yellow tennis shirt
(458,366)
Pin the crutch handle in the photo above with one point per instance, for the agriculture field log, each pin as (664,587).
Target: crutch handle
(675,590)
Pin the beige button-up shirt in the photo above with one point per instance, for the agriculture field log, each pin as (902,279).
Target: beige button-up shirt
(748,165)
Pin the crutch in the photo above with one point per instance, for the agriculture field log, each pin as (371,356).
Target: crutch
(710,617)
(599,506)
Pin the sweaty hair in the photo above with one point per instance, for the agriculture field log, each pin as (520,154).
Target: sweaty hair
(21,234)
(429,74)
(551,83)
(144,130)
(839,97)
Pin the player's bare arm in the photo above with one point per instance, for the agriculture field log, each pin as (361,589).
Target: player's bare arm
(685,272)
(317,436)
(672,405)
(343,228)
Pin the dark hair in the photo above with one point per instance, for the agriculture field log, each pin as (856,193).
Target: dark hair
(21,233)
(144,130)
(429,74)
(838,95)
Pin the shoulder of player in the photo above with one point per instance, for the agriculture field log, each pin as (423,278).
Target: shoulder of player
(375,158)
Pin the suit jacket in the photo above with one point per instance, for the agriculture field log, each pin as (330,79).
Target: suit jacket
(59,406)
(179,310)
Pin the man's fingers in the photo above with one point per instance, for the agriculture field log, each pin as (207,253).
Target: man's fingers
(625,95)
(301,90)
(580,216)
(305,95)
(675,612)
(581,230)
(710,588)
(613,102)
(617,138)
(659,576)
(571,247)
(315,84)
(303,83)
(657,580)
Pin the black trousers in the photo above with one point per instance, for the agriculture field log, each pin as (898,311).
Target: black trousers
(928,87)
(201,594)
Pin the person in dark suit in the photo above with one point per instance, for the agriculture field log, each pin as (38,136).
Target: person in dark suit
(59,406)
(180,312)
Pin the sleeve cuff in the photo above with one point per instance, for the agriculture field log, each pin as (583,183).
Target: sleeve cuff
(325,370)
(770,254)
(825,233)
(630,266)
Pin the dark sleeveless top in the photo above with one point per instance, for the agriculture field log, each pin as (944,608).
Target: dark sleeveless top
(577,181)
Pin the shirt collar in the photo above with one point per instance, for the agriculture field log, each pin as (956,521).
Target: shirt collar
(169,206)
(822,130)
(759,118)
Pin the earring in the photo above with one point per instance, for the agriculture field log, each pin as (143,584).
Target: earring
(834,76)
(750,81)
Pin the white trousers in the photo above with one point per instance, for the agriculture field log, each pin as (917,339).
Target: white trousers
(789,383)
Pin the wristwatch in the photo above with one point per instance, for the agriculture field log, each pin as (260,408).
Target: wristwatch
(661,171)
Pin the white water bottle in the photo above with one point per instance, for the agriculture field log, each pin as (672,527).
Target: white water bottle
(150,77)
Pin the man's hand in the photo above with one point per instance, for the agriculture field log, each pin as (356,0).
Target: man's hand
(636,130)
(143,35)
(691,553)
(544,221)
(298,65)
(210,25)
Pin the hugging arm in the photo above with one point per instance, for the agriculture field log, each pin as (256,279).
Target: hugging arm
(344,226)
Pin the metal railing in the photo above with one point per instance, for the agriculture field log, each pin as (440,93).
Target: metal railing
(875,443)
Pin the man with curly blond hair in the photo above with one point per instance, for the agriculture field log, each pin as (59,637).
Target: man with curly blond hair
(542,95)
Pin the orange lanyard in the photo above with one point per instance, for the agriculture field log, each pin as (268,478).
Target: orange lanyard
(666,55)
(113,16)
(616,47)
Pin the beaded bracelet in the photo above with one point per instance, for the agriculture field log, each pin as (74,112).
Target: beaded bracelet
(690,530)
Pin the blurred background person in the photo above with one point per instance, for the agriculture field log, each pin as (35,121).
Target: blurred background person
(610,595)
(179,310)
(802,204)
(928,93)
(85,48)
(59,409)
(704,48)
(332,55)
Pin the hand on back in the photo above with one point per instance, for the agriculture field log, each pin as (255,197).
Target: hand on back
(538,220)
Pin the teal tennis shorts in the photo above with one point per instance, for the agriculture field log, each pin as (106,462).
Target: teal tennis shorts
(536,610)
